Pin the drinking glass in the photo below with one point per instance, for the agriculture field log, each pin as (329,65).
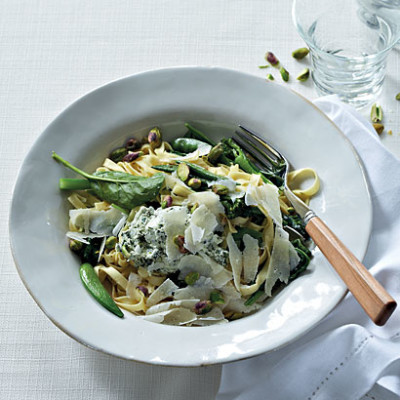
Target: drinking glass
(349,41)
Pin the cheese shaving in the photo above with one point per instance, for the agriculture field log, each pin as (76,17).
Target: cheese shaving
(174,224)
(174,316)
(266,198)
(190,303)
(192,263)
(166,289)
(279,265)
(209,199)
(92,221)
(235,259)
(251,258)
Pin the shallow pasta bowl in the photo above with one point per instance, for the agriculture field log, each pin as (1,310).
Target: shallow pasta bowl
(216,100)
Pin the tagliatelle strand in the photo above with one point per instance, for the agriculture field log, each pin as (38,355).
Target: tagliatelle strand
(295,179)
(113,274)
(132,305)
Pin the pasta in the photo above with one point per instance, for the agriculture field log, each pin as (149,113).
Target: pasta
(206,246)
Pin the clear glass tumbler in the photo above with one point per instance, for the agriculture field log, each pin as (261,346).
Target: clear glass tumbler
(349,41)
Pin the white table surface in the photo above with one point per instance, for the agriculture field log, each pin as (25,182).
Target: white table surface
(52,52)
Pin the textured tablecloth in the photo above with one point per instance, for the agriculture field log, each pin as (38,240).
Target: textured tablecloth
(52,52)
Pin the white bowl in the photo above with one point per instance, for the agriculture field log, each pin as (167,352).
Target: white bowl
(215,100)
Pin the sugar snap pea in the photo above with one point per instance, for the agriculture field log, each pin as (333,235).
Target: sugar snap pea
(186,145)
(93,285)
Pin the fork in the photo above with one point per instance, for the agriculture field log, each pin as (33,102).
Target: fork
(369,293)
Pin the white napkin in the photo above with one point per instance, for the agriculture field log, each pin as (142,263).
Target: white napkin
(346,354)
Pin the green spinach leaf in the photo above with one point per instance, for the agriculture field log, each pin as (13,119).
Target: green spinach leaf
(124,190)
(241,231)
(129,193)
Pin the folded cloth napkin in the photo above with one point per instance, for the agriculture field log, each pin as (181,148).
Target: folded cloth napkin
(346,354)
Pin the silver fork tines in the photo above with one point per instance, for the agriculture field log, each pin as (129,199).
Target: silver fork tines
(268,157)
(257,141)
(259,150)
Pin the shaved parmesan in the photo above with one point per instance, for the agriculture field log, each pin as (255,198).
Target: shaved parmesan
(166,289)
(222,278)
(175,316)
(236,195)
(227,182)
(174,224)
(179,316)
(251,258)
(229,291)
(171,180)
(237,305)
(209,199)
(134,281)
(265,197)
(215,313)
(80,218)
(189,303)
(214,317)
(204,218)
(82,237)
(208,322)
(192,263)
(279,265)
(201,290)
(220,275)
(202,224)
(235,259)
(93,221)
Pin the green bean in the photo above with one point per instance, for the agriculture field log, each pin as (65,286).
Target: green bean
(186,145)
(196,134)
(253,298)
(201,172)
(165,168)
(178,153)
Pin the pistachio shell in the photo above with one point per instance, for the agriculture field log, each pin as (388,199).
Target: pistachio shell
(376,113)
(284,74)
(304,75)
(299,54)
(379,128)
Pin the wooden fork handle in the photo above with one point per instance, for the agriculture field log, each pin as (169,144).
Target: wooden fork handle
(371,295)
